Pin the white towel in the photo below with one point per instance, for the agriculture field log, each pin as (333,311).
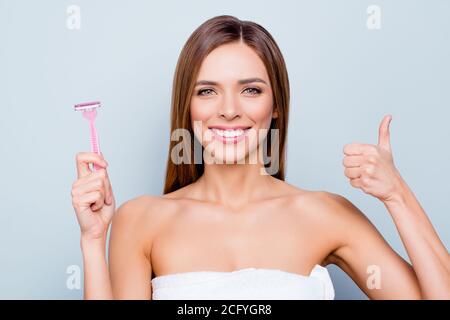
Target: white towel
(248,283)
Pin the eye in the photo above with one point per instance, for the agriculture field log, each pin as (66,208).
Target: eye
(252,91)
(205,92)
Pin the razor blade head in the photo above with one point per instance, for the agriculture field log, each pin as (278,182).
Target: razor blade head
(87,106)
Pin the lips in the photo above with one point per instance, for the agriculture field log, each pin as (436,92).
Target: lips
(227,134)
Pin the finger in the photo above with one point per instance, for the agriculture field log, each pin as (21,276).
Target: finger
(92,200)
(353,161)
(84,158)
(353,149)
(108,189)
(93,185)
(98,198)
(384,134)
(357,183)
(101,174)
(93,175)
(352,173)
(97,180)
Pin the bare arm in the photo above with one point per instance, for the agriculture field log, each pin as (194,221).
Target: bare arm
(129,252)
(129,272)
(371,168)
(94,204)
(97,283)
(366,257)
(429,257)
(377,269)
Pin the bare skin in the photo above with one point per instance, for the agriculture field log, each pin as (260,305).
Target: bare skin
(191,234)
(233,217)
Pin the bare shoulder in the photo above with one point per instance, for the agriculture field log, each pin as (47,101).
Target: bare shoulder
(138,221)
(315,204)
(145,210)
(148,214)
(332,215)
(328,205)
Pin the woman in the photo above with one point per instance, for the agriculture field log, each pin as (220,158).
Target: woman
(226,223)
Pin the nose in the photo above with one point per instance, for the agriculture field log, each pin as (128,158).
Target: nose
(230,108)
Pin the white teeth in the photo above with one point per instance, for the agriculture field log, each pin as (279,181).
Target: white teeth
(228,133)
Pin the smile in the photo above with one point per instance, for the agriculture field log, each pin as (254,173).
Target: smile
(229,135)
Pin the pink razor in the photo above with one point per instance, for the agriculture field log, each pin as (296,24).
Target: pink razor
(90,112)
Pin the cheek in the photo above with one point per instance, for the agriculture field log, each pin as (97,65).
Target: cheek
(200,113)
(201,110)
(260,111)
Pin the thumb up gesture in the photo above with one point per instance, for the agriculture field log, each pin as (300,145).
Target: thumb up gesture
(371,167)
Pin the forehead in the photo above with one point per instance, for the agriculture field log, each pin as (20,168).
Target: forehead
(231,62)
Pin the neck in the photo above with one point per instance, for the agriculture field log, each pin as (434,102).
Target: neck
(233,185)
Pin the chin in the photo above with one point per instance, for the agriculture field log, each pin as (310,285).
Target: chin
(232,154)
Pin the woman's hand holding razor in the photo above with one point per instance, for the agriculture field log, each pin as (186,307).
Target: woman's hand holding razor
(92,197)
(94,204)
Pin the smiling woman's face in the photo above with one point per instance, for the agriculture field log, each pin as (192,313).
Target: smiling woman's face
(232,101)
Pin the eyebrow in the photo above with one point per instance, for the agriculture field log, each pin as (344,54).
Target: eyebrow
(242,81)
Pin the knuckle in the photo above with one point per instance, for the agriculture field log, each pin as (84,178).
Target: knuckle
(371,159)
(98,204)
(98,183)
(102,173)
(75,204)
(368,170)
(346,148)
(354,183)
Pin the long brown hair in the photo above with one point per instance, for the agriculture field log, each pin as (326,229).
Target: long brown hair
(208,36)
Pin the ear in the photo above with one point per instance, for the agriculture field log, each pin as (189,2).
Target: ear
(275,113)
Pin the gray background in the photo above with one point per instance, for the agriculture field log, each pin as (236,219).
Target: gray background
(344,78)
